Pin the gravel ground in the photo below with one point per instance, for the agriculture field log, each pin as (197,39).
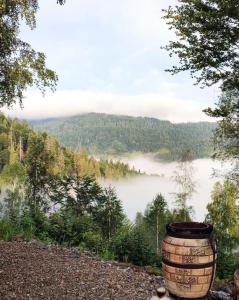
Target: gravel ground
(32,270)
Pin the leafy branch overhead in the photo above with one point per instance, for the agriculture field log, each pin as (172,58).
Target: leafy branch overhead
(20,65)
(208,37)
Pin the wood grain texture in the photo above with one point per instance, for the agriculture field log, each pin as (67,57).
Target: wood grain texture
(181,280)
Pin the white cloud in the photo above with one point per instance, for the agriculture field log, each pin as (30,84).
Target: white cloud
(67,103)
(108,54)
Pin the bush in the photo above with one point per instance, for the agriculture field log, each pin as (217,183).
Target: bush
(7,230)
(227,263)
(67,229)
(27,226)
(93,242)
(130,246)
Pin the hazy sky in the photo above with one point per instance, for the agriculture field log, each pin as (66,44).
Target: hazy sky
(109,59)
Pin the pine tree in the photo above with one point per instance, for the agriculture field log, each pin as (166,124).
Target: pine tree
(108,213)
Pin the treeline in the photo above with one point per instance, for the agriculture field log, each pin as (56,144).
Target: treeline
(77,211)
(21,147)
(102,133)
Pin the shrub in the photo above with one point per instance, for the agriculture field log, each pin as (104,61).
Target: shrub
(7,230)
(130,246)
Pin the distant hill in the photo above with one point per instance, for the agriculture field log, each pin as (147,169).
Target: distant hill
(115,135)
(21,147)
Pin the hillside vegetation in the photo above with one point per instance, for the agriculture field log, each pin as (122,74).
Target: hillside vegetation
(21,148)
(48,193)
(114,135)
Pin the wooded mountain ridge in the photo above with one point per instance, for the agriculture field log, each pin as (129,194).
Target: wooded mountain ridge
(116,135)
(21,148)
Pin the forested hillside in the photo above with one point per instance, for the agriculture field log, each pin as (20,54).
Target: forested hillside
(21,148)
(110,134)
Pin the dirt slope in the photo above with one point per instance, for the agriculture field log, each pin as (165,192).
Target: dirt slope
(31,270)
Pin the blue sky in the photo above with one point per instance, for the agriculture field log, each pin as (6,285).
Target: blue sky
(108,57)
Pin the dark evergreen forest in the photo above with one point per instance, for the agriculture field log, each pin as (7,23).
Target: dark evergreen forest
(115,135)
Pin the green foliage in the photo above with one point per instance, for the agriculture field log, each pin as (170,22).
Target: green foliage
(207,46)
(94,242)
(14,203)
(182,214)
(39,156)
(156,217)
(85,208)
(79,195)
(226,137)
(141,243)
(223,213)
(12,174)
(48,194)
(24,227)
(38,162)
(108,213)
(207,43)
(68,229)
(27,226)
(20,65)
(81,219)
(7,230)
(110,134)
(227,263)
(130,246)
(183,177)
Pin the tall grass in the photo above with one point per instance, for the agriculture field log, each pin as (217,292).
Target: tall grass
(9,229)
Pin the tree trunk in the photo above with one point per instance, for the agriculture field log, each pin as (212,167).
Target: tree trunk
(157,235)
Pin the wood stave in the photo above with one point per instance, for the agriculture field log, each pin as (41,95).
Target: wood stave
(188,282)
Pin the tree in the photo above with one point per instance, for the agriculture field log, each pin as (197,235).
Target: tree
(226,137)
(20,65)
(129,245)
(108,213)
(208,39)
(156,216)
(39,179)
(79,195)
(183,177)
(207,46)
(14,203)
(223,214)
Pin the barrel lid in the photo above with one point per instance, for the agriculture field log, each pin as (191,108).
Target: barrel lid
(189,230)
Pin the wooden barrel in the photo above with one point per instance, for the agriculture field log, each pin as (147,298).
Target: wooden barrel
(189,259)
(236,281)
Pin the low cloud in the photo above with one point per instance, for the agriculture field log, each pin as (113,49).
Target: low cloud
(165,106)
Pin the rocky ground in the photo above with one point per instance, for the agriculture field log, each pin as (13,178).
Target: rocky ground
(32,270)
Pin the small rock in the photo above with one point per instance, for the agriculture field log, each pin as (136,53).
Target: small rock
(220,295)
(226,290)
